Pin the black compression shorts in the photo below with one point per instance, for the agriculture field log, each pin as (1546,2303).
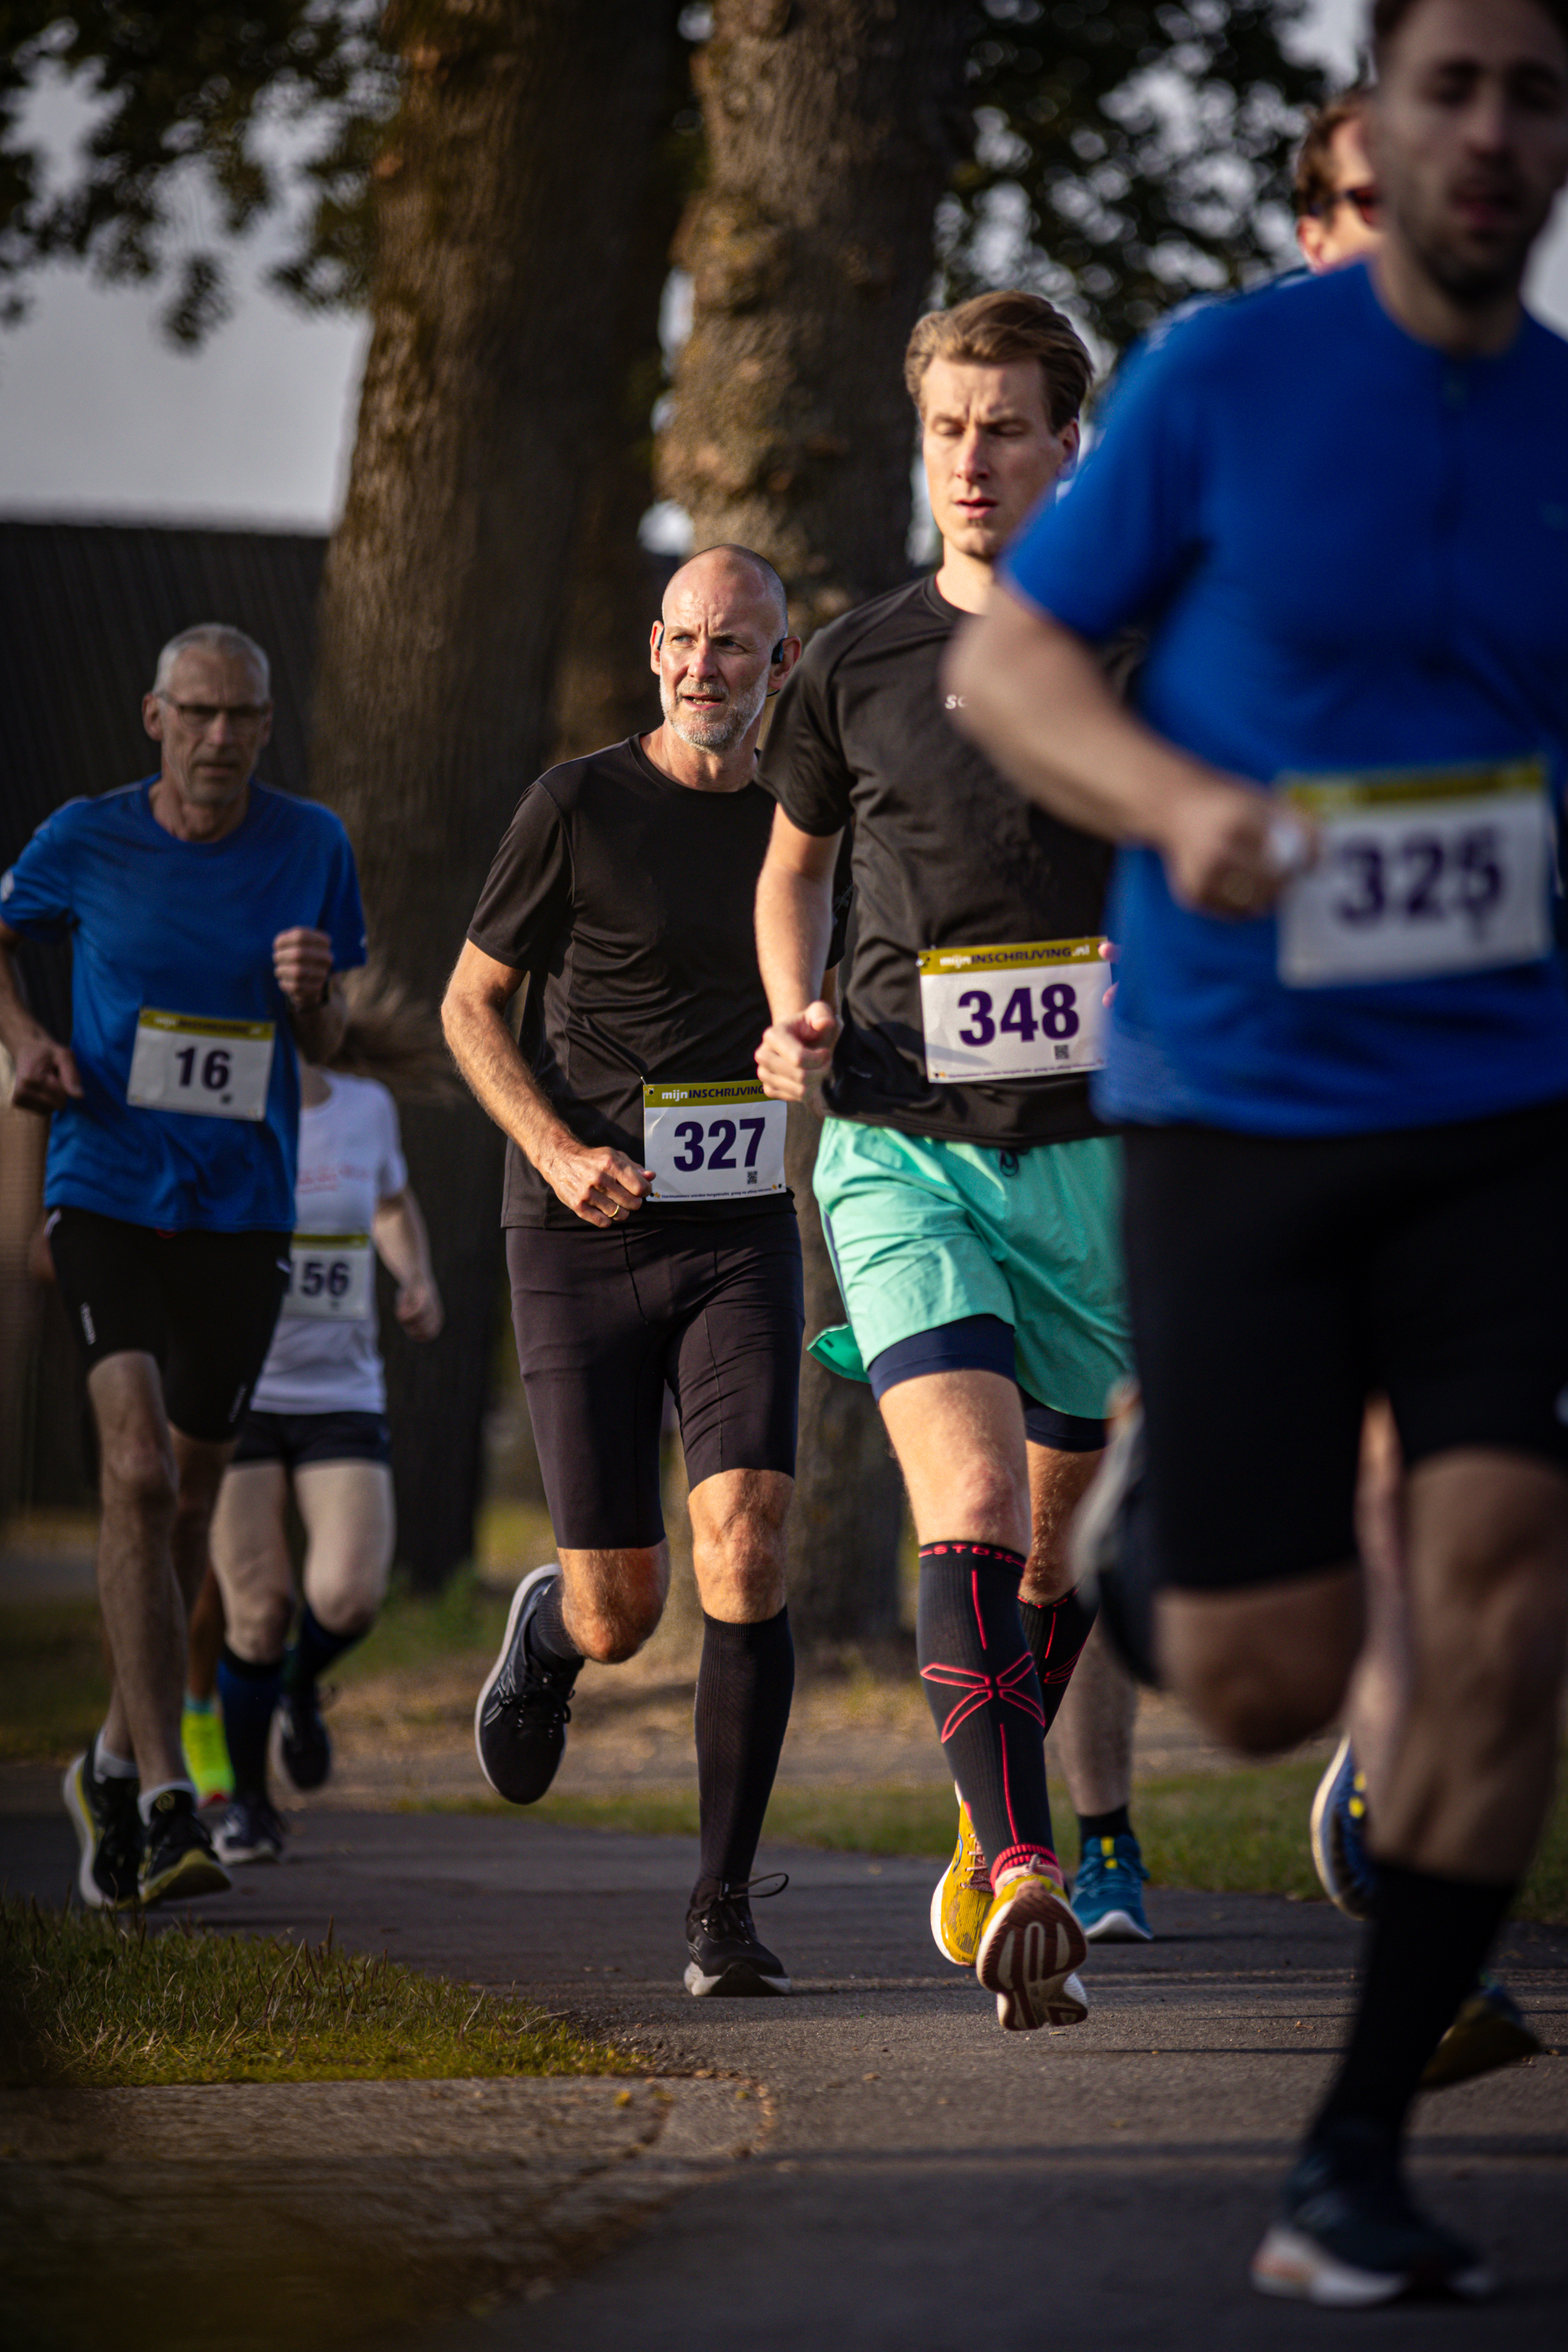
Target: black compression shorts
(1276,1284)
(203,1306)
(606,1317)
(297,1439)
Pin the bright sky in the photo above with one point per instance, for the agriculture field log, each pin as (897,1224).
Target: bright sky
(99,417)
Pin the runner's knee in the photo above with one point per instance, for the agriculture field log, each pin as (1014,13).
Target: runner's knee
(138,1476)
(1253,1684)
(612,1619)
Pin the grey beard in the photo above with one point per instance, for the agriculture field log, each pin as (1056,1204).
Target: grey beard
(722,733)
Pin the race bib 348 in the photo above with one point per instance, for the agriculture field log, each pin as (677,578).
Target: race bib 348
(1029,1012)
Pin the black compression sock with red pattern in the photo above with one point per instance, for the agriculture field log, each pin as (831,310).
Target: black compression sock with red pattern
(984,1695)
(1056,1635)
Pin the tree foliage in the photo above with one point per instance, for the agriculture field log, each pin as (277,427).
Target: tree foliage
(232,112)
(1127,153)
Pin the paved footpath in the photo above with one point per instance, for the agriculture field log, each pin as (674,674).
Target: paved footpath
(925,2181)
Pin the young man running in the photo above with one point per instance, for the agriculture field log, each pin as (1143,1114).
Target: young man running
(968,1191)
(1340,1037)
(206,914)
(1337,209)
(650,1239)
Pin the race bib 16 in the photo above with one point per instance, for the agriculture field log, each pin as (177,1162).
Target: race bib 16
(330,1278)
(1423,872)
(712,1143)
(215,1069)
(1030,1012)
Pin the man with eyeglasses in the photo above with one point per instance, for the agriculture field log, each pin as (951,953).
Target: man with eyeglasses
(1337,215)
(206,914)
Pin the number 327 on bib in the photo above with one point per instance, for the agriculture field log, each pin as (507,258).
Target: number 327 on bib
(1028,1012)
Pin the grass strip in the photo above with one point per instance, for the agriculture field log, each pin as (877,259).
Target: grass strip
(94,2000)
(1242,1833)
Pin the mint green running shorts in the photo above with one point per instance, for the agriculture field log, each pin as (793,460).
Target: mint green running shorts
(925,1233)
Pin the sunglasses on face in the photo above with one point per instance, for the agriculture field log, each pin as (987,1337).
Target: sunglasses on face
(1366,200)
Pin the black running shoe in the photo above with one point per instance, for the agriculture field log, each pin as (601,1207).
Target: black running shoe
(728,1961)
(1111,1549)
(251,1829)
(1348,2235)
(179,1860)
(108,1824)
(522,1709)
(304,1742)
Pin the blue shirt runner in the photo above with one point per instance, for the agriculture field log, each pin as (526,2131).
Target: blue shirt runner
(183,929)
(1351,551)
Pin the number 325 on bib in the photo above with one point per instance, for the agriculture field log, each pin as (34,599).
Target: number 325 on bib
(1033,1011)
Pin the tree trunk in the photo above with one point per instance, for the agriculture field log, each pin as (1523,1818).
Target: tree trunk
(833,127)
(507,213)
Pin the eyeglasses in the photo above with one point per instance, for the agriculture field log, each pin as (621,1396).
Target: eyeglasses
(1366,200)
(201,716)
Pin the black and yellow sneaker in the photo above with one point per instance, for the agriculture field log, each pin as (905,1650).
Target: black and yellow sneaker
(179,1861)
(108,1830)
(729,1961)
(1489,2031)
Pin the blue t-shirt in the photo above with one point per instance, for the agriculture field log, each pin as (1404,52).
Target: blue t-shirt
(182,928)
(1351,552)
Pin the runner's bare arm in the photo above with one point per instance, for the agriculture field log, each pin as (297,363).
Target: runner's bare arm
(47,1073)
(598,1184)
(1226,848)
(403,1244)
(302,966)
(795,927)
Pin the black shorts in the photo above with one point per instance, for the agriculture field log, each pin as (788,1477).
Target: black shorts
(1276,1284)
(203,1306)
(606,1317)
(297,1439)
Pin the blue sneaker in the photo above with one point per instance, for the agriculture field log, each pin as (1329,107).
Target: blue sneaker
(1348,1872)
(1108,1893)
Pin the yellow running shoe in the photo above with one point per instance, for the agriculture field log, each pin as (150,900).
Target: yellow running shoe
(206,1754)
(961,1899)
(1027,1954)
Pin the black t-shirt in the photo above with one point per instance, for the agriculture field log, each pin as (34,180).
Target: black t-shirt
(626,898)
(946,854)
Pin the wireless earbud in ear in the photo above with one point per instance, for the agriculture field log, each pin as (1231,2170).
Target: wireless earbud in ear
(777,655)
(659,636)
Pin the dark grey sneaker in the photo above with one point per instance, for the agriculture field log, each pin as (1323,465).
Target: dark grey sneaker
(178,1861)
(303,1740)
(729,1959)
(522,1709)
(1348,2235)
(108,1824)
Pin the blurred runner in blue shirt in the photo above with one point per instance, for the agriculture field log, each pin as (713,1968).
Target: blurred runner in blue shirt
(1340,1037)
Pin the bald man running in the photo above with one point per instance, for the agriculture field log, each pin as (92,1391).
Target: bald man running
(651,1241)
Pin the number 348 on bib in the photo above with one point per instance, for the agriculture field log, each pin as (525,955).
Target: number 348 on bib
(1028,1012)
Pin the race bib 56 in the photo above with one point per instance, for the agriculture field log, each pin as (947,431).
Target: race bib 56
(712,1143)
(1423,872)
(1030,1012)
(215,1069)
(330,1278)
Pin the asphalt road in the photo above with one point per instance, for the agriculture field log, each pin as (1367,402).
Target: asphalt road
(928,2182)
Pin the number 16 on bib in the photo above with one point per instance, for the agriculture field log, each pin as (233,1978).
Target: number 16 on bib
(1034,1010)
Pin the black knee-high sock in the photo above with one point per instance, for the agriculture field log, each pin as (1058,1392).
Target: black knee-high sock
(1056,1635)
(984,1695)
(744,1685)
(1427,1942)
(249,1693)
(313,1651)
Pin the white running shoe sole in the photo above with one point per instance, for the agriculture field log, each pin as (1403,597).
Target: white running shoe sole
(748,1983)
(233,1852)
(1320,1834)
(76,1806)
(1118,1928)
(1027,1957)
(1293,2265)
(518,1602)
